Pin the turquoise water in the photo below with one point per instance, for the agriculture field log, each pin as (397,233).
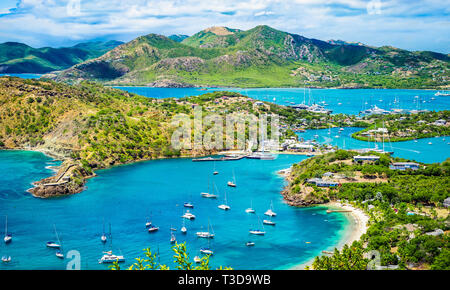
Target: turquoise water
(24,76)
(339,100)
(125,195)
(421,151)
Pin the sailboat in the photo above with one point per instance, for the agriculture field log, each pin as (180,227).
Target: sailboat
(108,256)
(152,228)
(269,222)
(257,231)
(207,194)
(54,245)
(270,211)
(188,215)
(232,183)
(250,209)
(208,234)
(207,250)
(225,206)
(103,238)
(183,228)
(197,259)
(173,239)
(6,259)
(149,222)
(8,237)
(215,172)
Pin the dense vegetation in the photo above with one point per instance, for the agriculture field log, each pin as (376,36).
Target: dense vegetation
(402,127)
(21,58)
(104,126)
(404,206)
(261,57)
(181,260)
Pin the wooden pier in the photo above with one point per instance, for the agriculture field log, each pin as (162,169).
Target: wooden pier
(338,210)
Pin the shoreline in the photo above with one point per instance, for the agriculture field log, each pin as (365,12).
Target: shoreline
(357,226)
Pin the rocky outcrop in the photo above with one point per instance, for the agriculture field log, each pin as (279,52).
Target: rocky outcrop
(69,179)
(298,199)
(166,83)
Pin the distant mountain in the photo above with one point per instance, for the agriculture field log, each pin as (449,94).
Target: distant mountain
(260,57)
(21,58)
(178,37)
(343,42)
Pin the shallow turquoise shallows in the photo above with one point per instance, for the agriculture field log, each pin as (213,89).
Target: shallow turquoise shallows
(338,100)
(126,196)
(420,150)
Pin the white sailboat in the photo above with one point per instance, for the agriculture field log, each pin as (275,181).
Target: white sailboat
(173,239)
(54,245)
(207,250)
(207,194)
(270,211)
(250,209)
(8,237)
(257,231)
(232,183)
(208,234)
(103,237)
(215,172)
(108,256)
(225,206)
(59,252)
(188,215)
(183,228)
(269,222)
(149,221)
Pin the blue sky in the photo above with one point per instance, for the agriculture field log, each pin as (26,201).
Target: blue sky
(412,25)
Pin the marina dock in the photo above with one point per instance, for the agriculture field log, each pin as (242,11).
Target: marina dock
(225,158)
(338,210)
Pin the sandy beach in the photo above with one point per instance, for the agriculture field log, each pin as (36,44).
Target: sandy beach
(353,232)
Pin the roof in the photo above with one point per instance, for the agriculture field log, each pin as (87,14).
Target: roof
(404,163)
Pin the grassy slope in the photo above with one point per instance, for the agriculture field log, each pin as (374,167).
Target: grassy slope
(100,125)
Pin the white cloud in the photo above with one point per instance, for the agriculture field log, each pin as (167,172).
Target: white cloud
(414,25)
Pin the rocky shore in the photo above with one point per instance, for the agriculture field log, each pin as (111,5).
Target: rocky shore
(69,179)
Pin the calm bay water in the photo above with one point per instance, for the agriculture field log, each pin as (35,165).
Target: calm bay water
(347,101)
(125,196)
(438,151)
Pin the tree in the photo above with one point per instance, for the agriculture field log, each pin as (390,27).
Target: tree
(442,261)
(350,258)
(181,259)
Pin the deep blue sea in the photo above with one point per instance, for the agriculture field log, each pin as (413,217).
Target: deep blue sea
(347,101)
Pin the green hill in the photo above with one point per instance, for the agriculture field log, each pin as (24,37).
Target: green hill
(261,57)
(21,58)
